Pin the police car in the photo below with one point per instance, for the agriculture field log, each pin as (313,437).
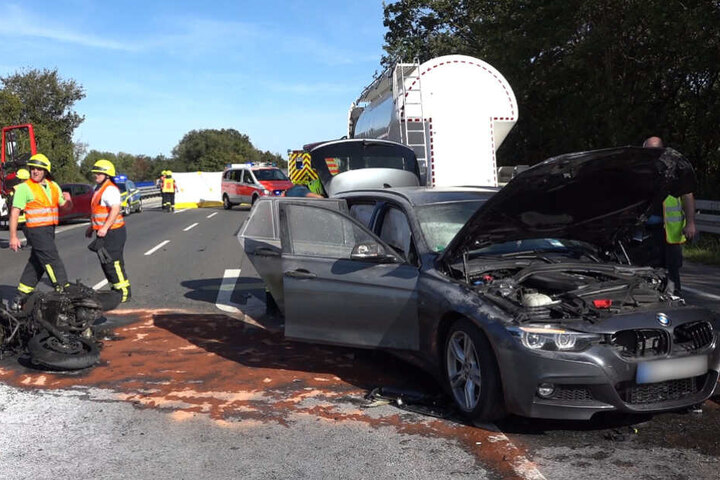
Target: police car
(129,194)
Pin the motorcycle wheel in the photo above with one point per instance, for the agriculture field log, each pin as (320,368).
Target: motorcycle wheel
(74,353)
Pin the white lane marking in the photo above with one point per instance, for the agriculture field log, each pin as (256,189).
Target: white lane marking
(191,226)
(701,293)
(101,284)
(157,247)
(223,301)
(178,211)
(70,226)
(212,215)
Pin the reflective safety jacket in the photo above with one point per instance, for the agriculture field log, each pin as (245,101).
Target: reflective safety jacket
(168,185)
(42,211)
(315,186)
(100,213)
(674,218)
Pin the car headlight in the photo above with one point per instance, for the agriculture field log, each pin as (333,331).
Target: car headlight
(266,191)
(553,339)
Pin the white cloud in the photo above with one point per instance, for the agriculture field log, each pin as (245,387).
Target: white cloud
(17,24)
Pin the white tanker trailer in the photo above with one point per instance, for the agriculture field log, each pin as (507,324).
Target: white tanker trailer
(453,111)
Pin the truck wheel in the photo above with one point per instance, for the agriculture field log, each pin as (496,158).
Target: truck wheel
(227,205)
(471,373)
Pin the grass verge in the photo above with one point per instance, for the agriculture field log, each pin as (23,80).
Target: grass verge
(705,250)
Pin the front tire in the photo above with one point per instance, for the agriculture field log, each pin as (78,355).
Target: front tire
(74,353)
(140,206)
(471,374)
(126,210)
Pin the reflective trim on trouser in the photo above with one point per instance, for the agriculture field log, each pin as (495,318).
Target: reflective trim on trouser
(124,284)
(51,273)
(115,270)
(22,288)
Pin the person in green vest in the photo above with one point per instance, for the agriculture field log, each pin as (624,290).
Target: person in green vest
(671,224)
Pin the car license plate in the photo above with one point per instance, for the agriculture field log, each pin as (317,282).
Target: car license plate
(671,369)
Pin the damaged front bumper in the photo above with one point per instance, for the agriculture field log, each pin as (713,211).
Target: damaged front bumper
(575,386)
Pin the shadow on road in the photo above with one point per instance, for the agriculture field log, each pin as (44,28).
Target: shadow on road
(258,347)
(206,290)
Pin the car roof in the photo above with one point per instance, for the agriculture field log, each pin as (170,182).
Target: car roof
(252,167)
(426,195)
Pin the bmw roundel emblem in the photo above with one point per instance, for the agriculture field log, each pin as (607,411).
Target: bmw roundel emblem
(663,319)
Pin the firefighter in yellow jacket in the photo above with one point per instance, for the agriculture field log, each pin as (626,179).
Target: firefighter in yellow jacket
(168,189)
(41,199)
(108,224)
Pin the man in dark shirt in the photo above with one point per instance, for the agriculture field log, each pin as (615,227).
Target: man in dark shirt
(663,223)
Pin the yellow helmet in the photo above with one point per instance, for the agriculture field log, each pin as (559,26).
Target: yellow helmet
(40,161)
(168,173)
(104,166)
(22,174)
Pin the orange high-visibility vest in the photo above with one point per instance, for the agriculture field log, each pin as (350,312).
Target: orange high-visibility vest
(100,213)
(168,185)
(42,211)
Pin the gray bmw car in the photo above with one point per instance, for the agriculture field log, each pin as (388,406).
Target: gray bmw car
(521,300)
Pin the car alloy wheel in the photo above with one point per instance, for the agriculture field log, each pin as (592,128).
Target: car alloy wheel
(471,372)
(226,203)
(463,370)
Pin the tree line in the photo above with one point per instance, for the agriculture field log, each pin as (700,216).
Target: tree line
(586,74)
(46,100)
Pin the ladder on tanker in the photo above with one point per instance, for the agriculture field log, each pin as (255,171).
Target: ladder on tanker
(406,86)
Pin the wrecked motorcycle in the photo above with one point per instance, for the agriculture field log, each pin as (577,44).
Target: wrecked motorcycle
(55,329)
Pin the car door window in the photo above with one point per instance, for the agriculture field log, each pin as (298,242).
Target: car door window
(362,212)
(395,231)
(247,178)
(260,224)
(319,232)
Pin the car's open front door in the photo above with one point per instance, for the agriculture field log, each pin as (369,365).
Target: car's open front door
(341,283)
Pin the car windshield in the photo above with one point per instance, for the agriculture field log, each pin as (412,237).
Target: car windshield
(440,222)
(270,174)
(122,187)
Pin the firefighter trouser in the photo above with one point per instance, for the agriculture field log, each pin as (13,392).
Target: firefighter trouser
(168,201)
(114,269)
(44,258)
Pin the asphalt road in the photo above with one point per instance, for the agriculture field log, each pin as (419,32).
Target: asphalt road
(196,382)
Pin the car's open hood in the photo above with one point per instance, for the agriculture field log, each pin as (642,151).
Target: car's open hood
(589,196)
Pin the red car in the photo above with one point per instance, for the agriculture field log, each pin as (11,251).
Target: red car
(81,194)
(245,183)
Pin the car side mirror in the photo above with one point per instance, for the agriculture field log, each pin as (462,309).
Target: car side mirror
(371,251)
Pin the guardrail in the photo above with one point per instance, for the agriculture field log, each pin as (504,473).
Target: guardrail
(148,192)
(707,218)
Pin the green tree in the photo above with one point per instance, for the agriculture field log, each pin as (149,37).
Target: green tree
(586,74)
(211,150)
(44,99)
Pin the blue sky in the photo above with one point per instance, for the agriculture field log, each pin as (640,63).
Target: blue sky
(282,72)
